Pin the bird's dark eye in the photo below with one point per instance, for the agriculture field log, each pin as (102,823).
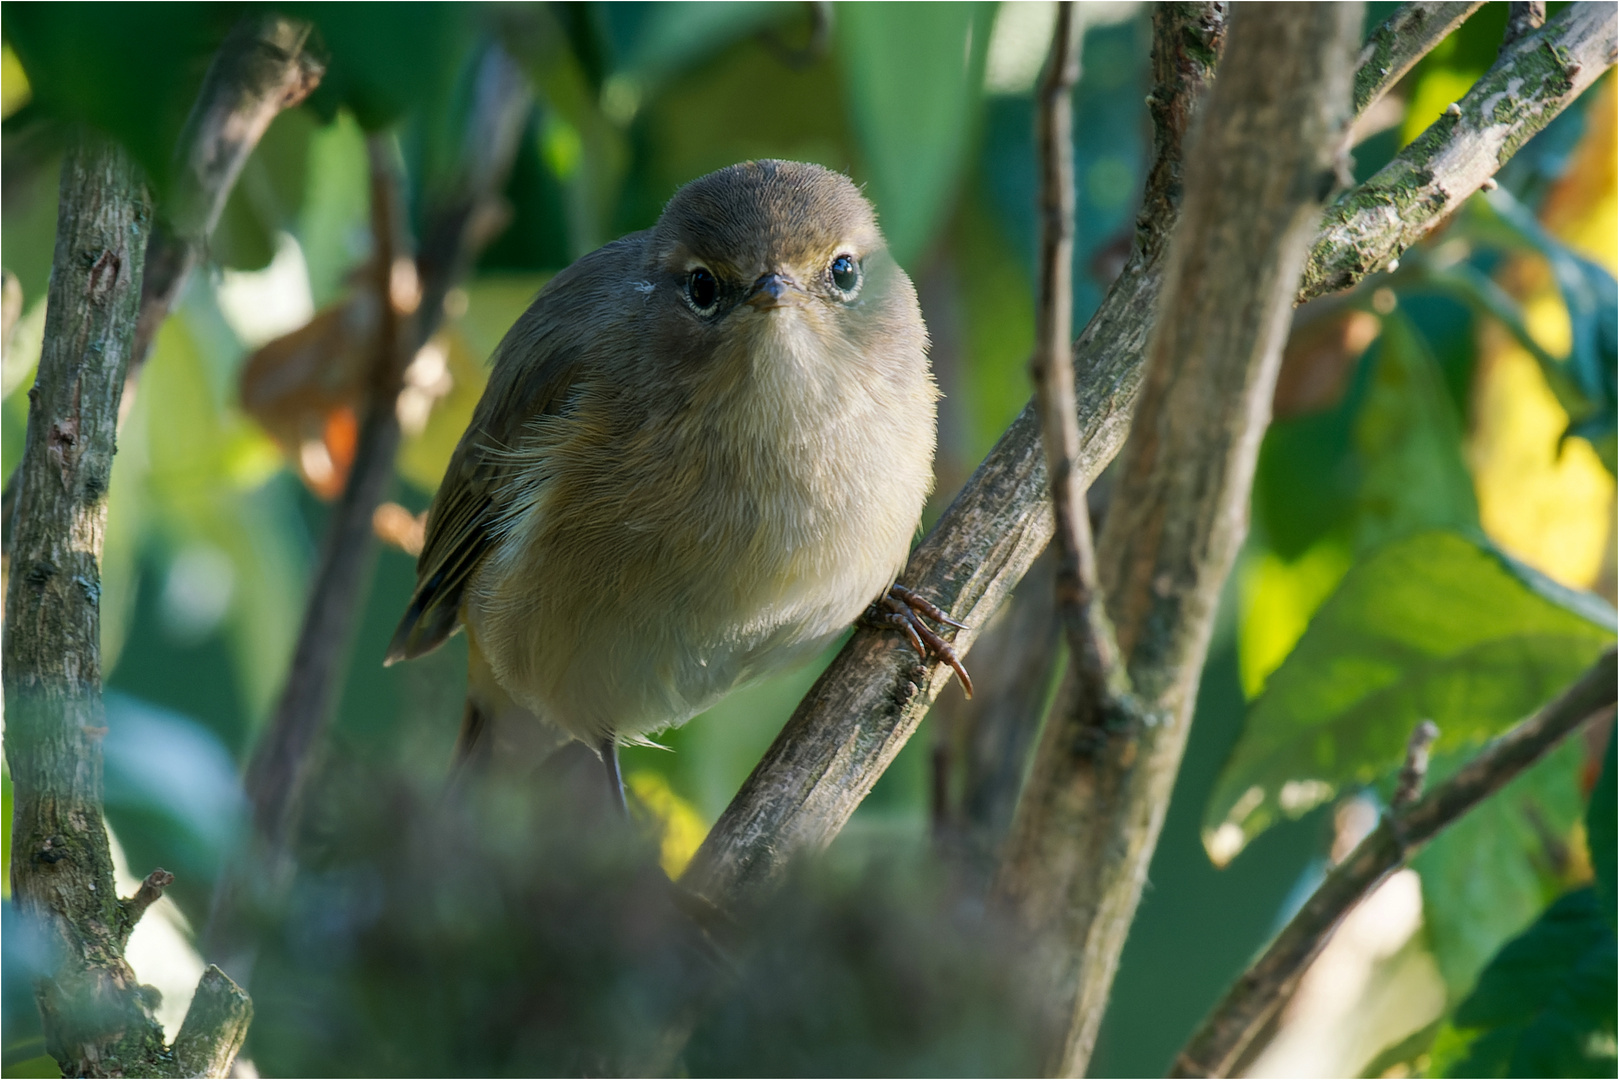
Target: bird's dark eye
(703,289)
(845,273)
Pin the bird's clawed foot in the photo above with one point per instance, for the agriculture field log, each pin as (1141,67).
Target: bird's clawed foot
(903,609)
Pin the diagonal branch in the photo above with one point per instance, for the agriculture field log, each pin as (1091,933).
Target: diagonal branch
(1535,78)
(1268,984)
(1400,41)
(262,67)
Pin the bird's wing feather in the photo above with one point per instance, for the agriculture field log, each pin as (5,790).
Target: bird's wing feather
(536,369)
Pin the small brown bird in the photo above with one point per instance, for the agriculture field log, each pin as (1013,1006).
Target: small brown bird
(702,453)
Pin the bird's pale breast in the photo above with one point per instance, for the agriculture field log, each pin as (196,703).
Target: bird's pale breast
(693,544)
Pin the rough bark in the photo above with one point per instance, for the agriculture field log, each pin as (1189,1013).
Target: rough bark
(1224,1037)
(1534,79)
(97,1019)
(1400,41)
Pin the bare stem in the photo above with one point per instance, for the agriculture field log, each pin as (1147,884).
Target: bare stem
(1079,605)
(1267,985)
(1414,773)
(1522,18)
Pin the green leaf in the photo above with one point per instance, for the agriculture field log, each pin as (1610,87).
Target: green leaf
(913,75)
(1600,832)
(1545,1004)
(1436,626)
(1491,874)
(1410,438)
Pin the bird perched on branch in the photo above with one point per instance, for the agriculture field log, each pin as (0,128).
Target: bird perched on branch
(702,453)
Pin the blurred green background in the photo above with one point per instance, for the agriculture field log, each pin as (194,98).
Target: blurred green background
(1471,393)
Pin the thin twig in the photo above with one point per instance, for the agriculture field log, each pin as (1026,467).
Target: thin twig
(1400,41)
(275,777)
(1269,983)
(1079,604)
(149,893)
(1414,773)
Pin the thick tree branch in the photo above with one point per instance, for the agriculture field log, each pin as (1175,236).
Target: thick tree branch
(1404,38)
(1535,78)
(1269,983)
(214,1028)
(96,1021)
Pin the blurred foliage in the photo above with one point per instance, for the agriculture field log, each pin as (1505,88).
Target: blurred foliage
(1442,456)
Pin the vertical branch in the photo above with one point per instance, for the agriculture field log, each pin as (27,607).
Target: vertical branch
(96,1023)
(1090,638)
(1095,800)
(278,769)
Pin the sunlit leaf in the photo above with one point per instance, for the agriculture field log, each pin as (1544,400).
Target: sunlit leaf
(1410,440)
(1435,626)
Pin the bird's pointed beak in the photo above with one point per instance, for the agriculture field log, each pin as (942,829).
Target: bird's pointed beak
(774,290)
